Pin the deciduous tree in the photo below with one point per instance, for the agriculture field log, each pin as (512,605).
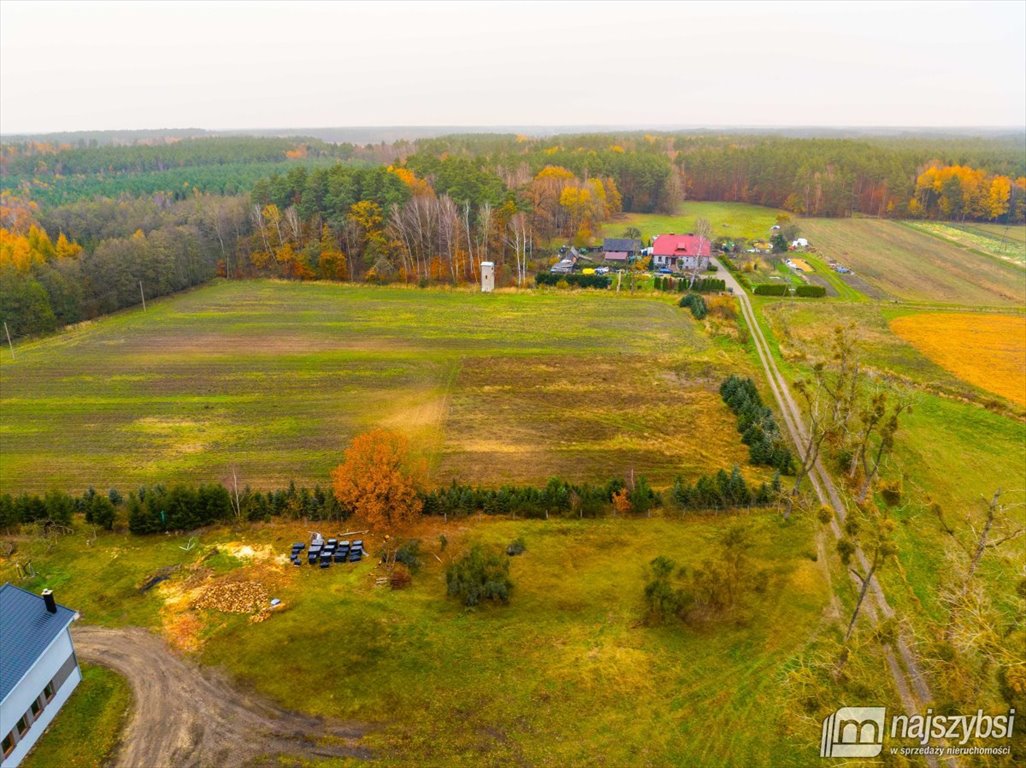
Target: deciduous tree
(378,481)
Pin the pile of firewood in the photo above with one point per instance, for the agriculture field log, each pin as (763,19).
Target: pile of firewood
(234,597)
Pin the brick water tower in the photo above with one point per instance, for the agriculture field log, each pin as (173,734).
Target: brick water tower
(487,276)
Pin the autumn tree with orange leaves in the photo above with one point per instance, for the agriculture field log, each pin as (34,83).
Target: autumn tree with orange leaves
(378,481)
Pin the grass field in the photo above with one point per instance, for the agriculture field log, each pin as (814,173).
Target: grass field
(910,265)
(803,331)
(988,351)
(752,222)
(998,240)
(565,674)
(275,378)
(86,730)
(948,450)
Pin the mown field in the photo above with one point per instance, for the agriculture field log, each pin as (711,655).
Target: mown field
(1001,241)
(566,673)
(906,264)
(751,222)
(273,379)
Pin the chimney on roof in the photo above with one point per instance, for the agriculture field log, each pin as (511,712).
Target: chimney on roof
(51,604)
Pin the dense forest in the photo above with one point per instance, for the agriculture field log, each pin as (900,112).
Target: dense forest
(81,225)
(129,248)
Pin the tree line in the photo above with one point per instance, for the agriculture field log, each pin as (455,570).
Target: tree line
(160,508)
(430,211)
(130,249)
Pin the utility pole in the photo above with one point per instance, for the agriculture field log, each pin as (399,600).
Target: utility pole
(11,345)
(142,295)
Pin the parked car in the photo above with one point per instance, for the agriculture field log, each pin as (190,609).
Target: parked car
(601,270)
(664,271)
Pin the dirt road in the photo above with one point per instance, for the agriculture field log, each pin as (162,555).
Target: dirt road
(907,674)
(185,716)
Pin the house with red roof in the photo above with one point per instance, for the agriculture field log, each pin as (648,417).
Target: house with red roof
(681,252)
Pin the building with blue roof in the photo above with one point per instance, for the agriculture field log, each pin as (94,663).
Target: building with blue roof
(38,668)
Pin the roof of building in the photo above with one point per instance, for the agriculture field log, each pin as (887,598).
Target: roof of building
(616,255)
(26,630)
(681,245)
(621,244)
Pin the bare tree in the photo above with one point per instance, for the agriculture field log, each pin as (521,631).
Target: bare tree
(879,420)
(517,238)
(293,225)
(873,535)
(484,229)
(819,424)
(703,228)
(998,528)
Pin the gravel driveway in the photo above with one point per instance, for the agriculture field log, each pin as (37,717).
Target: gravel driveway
(187,716)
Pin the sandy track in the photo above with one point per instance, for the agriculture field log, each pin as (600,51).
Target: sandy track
(907,674)
(185,716)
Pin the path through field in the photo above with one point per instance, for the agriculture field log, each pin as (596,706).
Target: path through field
(908,676)
(185,716)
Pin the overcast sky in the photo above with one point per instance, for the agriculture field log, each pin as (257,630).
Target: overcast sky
(88,66)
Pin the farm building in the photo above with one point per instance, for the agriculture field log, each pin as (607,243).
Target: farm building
(681,252)
(620,250)
(39,669)
(567,262)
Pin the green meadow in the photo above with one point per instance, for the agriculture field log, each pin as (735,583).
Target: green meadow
(271,380)
(751,222)
(566,673)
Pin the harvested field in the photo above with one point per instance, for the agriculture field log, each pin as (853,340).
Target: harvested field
(273,379)
(906,264)
(988,351)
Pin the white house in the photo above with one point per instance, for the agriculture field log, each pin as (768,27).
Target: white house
(681,252)
(38,668)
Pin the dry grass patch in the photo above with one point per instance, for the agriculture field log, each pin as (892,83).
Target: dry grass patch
(988,351)
(586,419)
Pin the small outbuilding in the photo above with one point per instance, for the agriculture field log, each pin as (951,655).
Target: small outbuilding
(487,276)
(620,250)
(38,668)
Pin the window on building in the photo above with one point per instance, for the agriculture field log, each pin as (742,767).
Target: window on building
(49,691)
(36,708)
(8,743)
(21,726)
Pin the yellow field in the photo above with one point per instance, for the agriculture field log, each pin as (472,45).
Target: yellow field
(988,351)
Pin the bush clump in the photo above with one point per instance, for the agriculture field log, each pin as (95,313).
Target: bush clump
(516,547)
(696,304)
(400,577)
(709,285)
(810,291)
(574,280)
(480,575)
(409,555)
(769,289)
(719,588)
